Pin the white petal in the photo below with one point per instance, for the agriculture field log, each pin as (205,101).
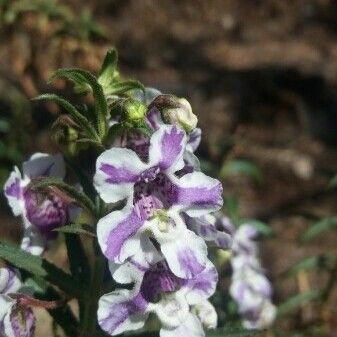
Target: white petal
(9,281)
(191,327)
(33,242)
(13,192)
(119,233)
(43,164)
(120,311)
(117,170)
(167,146)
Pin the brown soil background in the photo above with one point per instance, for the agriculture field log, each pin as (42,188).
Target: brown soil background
(260,75)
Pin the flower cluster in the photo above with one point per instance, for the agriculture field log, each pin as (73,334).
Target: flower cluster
(250,288)
(148,241)
(154,214)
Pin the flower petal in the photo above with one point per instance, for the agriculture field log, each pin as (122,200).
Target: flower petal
(13,192)
(44,165)
(118,234)
(197,193)
(193,140)
(121,311)
(153,118)
(202,286)
(9,281)
(33,242)
(134,268)
(191,327)
(167,147)
(117,170)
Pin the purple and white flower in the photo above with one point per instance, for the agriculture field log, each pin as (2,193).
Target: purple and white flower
(15,320)
(178,303)
(250,288)
(155,197)
(41,211)
(213,228)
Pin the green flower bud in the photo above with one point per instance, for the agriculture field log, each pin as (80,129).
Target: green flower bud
(135,111)
(180,113)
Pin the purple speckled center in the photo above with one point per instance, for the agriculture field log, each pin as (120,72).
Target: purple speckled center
(45,211)
(22,321)
(159,279)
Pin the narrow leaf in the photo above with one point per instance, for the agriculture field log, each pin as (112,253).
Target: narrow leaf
(261,227)
(39,267)
(310,263)
(81,198)
(320,227)
(108,72)
(125,86)
(77,229)
(298,300)
(73,112)
(101,107)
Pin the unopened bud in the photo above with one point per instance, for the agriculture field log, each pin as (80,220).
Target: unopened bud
(180,113)
(135,111)
(207,314)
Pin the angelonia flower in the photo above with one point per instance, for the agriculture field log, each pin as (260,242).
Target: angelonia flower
(181,305)
(41,211)
(250,288)
(147,241)
(16,320)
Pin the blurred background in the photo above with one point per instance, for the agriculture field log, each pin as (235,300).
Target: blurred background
(261,76)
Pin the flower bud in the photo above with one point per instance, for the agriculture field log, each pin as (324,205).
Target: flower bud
(45,210)
(180,113)
(135,111)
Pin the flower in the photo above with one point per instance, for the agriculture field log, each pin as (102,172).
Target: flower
(178,303)
(213,228)
(15,320)
(41,211)
(180,112)
(250,288)
(155,197)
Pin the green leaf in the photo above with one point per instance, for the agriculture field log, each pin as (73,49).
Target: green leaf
(320,227)
(39,267)
(101,107)
(261,227)
(243,167)
(73,112)
(324,261)
(81,198)
(298,300)
(108,73)
(333,182)
(123,87)
(232,208)
(77,229)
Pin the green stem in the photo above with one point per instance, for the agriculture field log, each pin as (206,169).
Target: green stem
(88,325)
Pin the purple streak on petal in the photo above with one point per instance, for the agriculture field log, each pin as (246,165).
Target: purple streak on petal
(204,281)
(46,172)
(121,233)
(22,321)
(202,196)
(171,147)
(10,281)
(120,312)
(194,139)
(117,175)
(189,263)
(153,118)
(14,190)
